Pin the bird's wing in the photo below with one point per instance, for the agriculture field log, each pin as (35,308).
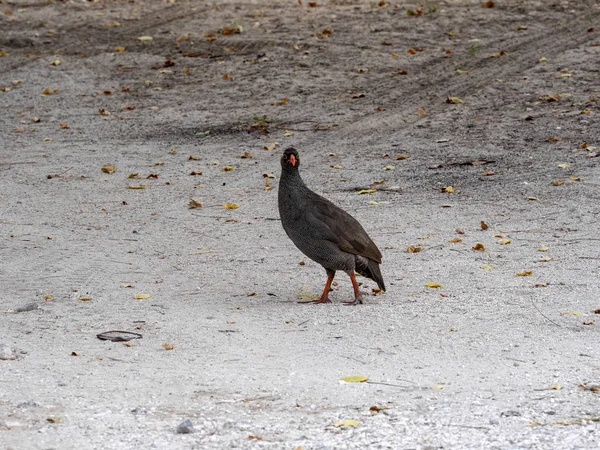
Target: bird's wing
(342,229)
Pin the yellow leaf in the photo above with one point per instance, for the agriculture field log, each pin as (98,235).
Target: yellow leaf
(401,157)
(355,379)
(167,346)
(267,185)
(288,133)
(487,267)
(543,59)
(479,247)
(572,313)
(227,168)
(574,178)
(555,387)
(141,186)
(56,62)
(438,387)
(564,166)
(448,189)
(532,198)
(455,240)
(525,273)
(108,168)
(229,205)
(119,49)
(366,191)
(336,166)
(309,296)
(373,202)
(48,297)
(454,100)
(145,38)
(346,423)
(414,249)
(388,168)
(431,284)
(194,204)
(141,296)
(54,419)
(85,299)
(3,53)
(543,248)
(504,241)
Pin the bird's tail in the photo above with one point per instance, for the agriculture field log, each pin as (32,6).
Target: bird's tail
(371,270)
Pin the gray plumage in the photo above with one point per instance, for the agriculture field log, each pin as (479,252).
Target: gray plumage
(324,232)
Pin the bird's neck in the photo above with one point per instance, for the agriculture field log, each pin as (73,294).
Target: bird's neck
(292,177)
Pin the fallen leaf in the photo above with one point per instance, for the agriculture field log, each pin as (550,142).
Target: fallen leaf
(564,165)
(538,285)
(454,100)
(420,112)
(448,189)
(267,185)
(272,146)
(525,273)
(484,226)
(252,437)
(141,296)
(532,198)
(139,186)
(246,155)
(504,241)
(366,191)
(572,313)
(196,173)
(377,408)
(354,379)
(48,297)
(401,157)
(487,267)
(227,168)
(553,139)
(125,285)
(479,247)
(557,182)
(433,285)
(167,346)
(229,205)
(414,249)
(459,231)
(488,173)
(85,299)
(63,125)
(555,387)
(54,419)
(145,38)
(108,168)
(194,204)
(388,168)
(574,178)
(438,387)
(455,240)
(346,423)
(545,259)
(281,102)
(487,4)
(309,296)
(336,166)
(56,62)
(119,49)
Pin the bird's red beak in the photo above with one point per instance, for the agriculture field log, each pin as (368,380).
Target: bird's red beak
(292,160)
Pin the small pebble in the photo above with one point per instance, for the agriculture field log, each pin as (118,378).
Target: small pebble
(27,307)
(7,353)
(185,427)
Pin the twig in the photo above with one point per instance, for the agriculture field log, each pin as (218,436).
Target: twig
(544,316)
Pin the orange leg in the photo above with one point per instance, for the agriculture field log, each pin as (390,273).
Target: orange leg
(325,295)
(357,294)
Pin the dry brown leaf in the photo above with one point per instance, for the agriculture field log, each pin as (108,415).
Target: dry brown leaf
(433,285)
(194,204)
(557,182)
(63,125)
(414,248)
(229,205)
(504,241)
(478,247)
(167,346)
(227,168)
(454,100)
(140,186)
(455,240)
(484,226)
(525,273)
(272,146)
(196,172)
(108,168)
(267,185)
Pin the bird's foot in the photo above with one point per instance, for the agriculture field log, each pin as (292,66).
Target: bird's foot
(321,300)
(356,301)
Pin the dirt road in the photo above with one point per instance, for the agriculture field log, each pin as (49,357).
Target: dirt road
(465,124)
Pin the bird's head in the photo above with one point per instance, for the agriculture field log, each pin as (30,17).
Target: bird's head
(290,159)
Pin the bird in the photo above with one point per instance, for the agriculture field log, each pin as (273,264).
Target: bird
(324,232)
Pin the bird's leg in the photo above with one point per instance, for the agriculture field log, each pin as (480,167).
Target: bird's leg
(357,294)
(325,295)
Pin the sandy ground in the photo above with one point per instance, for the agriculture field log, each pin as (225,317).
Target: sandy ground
(487,360)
